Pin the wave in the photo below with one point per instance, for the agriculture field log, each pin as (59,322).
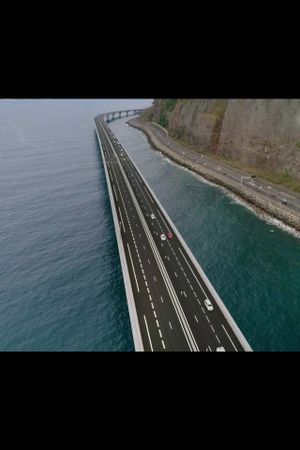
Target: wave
(270,220)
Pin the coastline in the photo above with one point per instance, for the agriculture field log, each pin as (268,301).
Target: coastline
(260,203)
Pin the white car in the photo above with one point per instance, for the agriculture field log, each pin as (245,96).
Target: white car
(152,216)
(208,304)
(163,237)
(220,349)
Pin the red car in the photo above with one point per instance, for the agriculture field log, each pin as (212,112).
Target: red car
(169,235)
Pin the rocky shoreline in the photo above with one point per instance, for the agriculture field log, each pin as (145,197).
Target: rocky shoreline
(272,207)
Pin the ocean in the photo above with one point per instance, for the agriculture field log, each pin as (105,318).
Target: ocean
(61,285)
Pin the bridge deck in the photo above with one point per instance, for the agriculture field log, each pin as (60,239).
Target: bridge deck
(169,288)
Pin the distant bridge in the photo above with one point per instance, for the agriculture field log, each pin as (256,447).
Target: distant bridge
(118,114)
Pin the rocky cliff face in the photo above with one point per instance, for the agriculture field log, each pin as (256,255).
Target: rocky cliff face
(261,133)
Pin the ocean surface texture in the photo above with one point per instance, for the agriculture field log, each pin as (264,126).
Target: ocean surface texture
(61,286)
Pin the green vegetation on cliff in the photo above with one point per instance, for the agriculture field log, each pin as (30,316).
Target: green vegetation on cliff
(169,104)
(218,107)
(166,107)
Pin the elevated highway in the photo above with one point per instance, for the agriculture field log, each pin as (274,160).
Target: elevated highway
(172,305)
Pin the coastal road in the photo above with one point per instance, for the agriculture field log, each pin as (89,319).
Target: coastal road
(175,306)
(290,199)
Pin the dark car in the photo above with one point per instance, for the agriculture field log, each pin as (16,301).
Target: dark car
(169,235)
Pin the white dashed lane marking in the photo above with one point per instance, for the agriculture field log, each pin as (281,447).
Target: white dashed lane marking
(145,320)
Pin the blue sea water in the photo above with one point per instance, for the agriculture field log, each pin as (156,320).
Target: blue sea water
(61,285)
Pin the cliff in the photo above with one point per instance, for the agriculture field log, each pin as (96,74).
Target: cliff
(263,134)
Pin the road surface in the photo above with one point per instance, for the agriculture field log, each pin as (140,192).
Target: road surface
(169,292)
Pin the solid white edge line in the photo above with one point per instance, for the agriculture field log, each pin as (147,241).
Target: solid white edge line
(115,192)
(135,326)
(229,338)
